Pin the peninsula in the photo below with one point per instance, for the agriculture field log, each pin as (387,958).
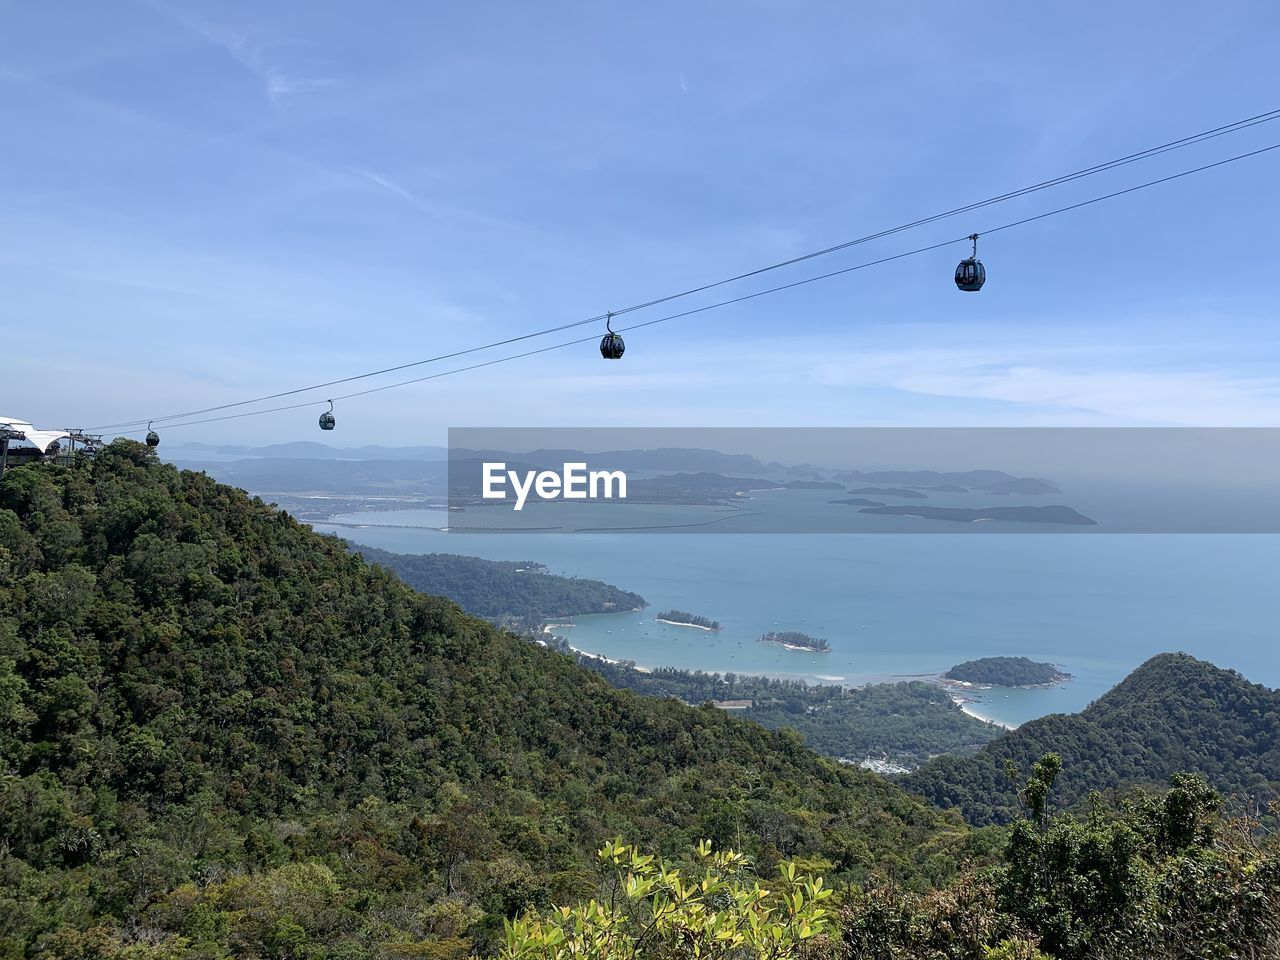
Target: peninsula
(903,492)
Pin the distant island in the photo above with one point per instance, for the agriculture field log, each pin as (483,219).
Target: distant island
(892,492)
(797,641)
(1024,485)
(812,485)
(986,481)
(858,502)
(1056,514)
(682,618)
(1007,672)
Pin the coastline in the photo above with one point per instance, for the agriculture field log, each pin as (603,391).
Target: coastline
(964,694)
(946,681)
(966,706)
(964,703)
(547,630)
(977,716)
(617,663)
(794,646)
(678,623)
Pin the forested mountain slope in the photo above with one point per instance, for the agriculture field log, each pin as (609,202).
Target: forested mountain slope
(197,691)
(1173,714)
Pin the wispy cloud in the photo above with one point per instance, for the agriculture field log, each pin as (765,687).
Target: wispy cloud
(279,82)
(1175,397)
(388,184)
(263,58)
(1012,384)
(435,208)
(1110,384)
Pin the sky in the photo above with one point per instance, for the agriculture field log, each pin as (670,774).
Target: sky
(206,202)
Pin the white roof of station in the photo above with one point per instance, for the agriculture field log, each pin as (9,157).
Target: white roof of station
(38,438)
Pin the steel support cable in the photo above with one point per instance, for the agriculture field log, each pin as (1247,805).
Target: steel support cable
(1024,191)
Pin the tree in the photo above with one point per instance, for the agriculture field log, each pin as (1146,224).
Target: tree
(654,912)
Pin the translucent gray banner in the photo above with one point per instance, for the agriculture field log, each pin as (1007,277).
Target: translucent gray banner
(864,480)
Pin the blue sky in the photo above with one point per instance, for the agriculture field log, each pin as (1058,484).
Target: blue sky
(207,201)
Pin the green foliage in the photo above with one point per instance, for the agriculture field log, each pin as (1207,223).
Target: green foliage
(501,590)
(1035,795)
(226,736)
(1006,672)
(886,922)
(1148,881)
(203,696)
(657,912)
(1014,950)
(904,723)
(1174,714)
(1159,876)
(793,638)
(693,619)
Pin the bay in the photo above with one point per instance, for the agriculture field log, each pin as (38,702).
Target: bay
(897,606)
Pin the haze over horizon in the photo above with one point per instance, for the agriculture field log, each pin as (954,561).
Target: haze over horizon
(221,201)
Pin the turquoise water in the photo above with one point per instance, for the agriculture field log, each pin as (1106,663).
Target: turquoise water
(895,606)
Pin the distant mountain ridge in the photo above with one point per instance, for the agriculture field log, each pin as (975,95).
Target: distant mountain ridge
(312,450)
(683,459)
(329,475)
(1173,714)
(682,474)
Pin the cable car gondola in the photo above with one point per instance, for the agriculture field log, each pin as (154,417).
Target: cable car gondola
(326,419)
(611,345)
(971,274)
(153,438)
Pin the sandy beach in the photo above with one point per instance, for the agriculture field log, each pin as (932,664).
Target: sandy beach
(677,623)
(967,707)
(596,656)
(794,646)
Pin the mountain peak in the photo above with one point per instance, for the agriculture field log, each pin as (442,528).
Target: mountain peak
(1173,714)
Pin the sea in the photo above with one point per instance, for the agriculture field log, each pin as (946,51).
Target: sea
(895,607)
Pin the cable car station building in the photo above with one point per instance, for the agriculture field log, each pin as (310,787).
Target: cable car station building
(22,443)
